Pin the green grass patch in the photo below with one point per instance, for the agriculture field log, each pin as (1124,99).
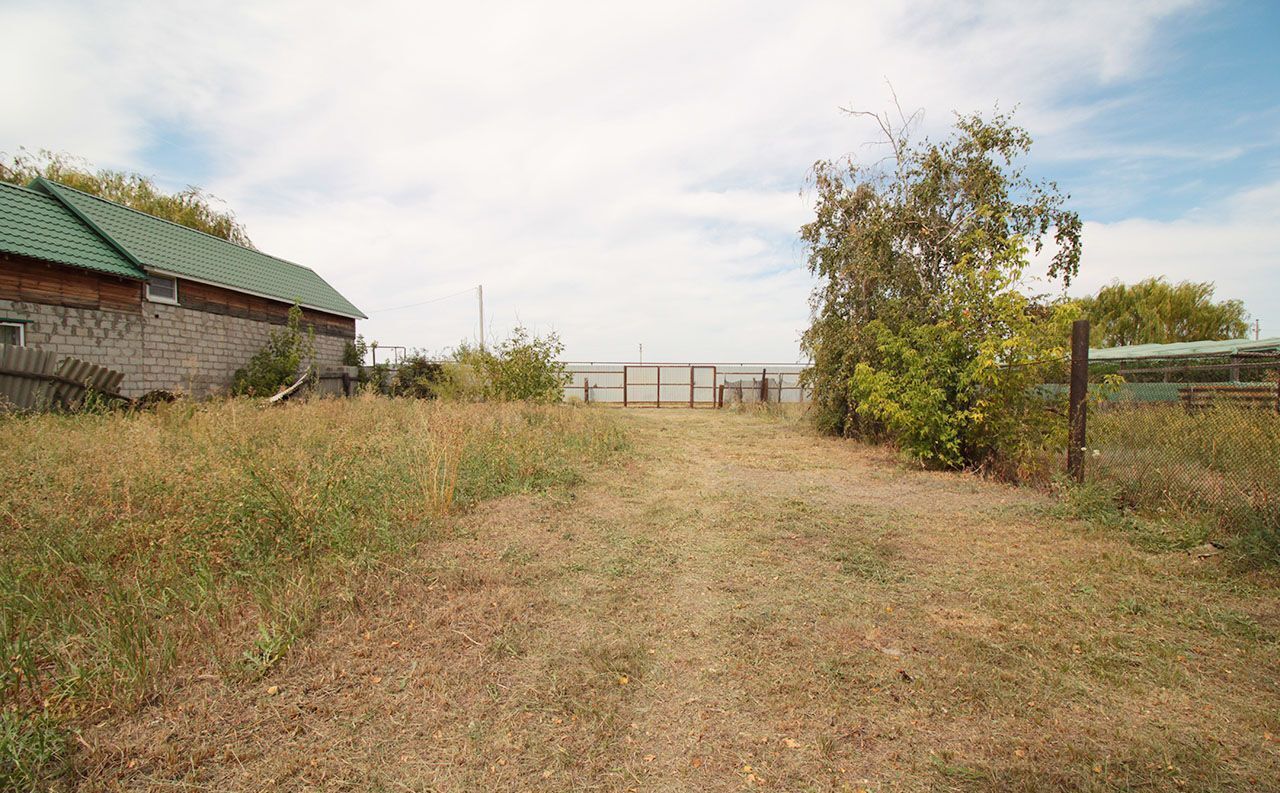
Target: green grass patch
(33,750)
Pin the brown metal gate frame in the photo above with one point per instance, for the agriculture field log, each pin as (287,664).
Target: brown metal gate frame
(657,386)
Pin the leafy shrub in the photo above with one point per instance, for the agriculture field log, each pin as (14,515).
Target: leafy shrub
(523,367)
(377,379)
(922,333)
(949,399)
(354,352)
(417,376)
(277,364)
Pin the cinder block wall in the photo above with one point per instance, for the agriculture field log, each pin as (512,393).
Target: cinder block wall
(102,336)
(197,353)
(165,347)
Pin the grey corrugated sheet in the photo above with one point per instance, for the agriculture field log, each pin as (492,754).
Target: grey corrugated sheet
(37,392)
(98,378)
(20,392)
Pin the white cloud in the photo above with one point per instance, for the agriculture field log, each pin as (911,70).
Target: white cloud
(622,173)
(1235,243)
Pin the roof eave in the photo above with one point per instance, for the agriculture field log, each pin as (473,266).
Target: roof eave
(335,312)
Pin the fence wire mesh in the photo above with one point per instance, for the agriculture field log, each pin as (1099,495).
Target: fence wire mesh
(1198,438)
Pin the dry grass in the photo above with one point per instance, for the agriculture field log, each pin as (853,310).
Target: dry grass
(215,536)
(737,604)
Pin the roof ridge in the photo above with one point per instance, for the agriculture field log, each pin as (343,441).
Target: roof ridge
(107,257)
(175,224)
(26,189)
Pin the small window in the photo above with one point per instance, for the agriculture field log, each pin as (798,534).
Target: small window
(13,334)
(162,290)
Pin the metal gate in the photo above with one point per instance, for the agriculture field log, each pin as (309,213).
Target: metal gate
(668,386)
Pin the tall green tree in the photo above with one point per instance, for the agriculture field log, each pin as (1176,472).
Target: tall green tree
(921,326)
(1155,311)
(190,206)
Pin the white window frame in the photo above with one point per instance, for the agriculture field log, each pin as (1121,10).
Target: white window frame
(22,330)
(173,301)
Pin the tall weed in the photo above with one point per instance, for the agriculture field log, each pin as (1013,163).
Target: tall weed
(208,534)
(1219,466)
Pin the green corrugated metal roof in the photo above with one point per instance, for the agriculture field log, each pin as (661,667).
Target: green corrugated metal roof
(167,247)
(1187,349)
(36,225)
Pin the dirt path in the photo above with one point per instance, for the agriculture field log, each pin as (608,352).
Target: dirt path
(742,605)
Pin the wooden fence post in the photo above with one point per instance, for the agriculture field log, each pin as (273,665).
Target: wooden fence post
(1077,410)
(720,401)
(586,389)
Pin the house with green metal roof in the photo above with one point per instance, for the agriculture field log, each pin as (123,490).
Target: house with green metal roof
(172,307)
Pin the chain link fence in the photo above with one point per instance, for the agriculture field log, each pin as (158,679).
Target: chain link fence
(1195,438)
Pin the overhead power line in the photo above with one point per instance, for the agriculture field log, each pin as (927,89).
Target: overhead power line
(425,302)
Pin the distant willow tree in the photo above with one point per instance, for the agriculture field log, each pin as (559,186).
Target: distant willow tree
(1155,311)
(191,206)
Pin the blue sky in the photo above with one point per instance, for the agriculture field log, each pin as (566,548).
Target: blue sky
(635,174)
(1201,123)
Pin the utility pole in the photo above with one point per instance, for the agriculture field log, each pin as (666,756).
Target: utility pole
(480,295)
(641,353)
(1257,329)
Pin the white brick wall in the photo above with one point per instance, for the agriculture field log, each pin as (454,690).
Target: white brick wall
(168,347)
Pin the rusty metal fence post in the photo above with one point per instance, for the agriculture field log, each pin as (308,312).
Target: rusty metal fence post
(1077,410)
